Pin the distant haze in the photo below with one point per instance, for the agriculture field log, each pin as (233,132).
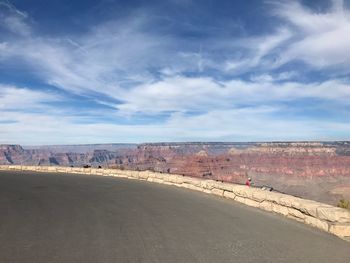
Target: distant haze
(81,148)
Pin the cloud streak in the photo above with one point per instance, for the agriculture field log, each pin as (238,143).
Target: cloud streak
(211,87)
(323,38)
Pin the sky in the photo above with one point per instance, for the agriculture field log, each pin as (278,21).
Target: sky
(77,72)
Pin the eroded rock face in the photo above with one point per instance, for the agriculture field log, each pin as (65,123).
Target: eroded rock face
(10,154)
(311,170)
(314,170)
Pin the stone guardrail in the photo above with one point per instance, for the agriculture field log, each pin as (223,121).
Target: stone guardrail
(331,219)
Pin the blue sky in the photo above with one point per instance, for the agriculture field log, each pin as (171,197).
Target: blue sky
(177,70)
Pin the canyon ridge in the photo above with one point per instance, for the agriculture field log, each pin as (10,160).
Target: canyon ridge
(313,170)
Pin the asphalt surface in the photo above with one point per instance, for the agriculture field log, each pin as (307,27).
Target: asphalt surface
(75,218)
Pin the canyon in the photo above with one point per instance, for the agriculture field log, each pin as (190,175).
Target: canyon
(313,170)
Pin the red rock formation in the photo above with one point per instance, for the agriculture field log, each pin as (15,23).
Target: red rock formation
(312,170)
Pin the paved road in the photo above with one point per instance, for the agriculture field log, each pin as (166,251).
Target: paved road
(73,218)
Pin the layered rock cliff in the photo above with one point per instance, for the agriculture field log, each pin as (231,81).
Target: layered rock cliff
(315,170)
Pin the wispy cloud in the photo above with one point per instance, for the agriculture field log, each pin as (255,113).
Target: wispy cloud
(13,19)
(14,99)
(12,8)
(258,123)
(211,87)
(319,39)
(205,94)
(323,38)
(258,51)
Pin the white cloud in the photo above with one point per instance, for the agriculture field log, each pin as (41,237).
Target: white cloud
(262,78)
(110,55)
(283,76)
(257,49)
(287,75)
(119,53)
(16,25)
(259,123)
(14,20)
(178,93)
(310,21)
(234,125)
(12,8)
(322,39)
(14,98)
(147,72)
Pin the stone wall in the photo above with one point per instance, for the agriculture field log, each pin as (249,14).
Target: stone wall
(325,217)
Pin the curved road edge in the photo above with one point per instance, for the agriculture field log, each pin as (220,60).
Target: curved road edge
(328,218)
